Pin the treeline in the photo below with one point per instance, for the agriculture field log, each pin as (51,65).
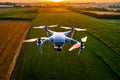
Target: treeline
(101,16)
(6,3)
(94,9)
(114,6)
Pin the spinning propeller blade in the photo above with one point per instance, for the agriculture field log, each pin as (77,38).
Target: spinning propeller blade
(74,46)
(77,29)
(41,27)
(31,40)
(52,26)
(45,28)
(34,39)
(78,45)
(65,27)
(84,39)
(44,38)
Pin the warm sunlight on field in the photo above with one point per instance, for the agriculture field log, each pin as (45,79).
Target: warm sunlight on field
(11,35)
(57,0)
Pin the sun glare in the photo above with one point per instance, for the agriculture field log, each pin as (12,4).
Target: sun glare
(57,0)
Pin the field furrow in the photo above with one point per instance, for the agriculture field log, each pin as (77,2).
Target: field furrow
(11,34)
(97,62)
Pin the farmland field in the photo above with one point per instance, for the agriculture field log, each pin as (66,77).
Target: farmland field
(98,14)
(99,61)
(11,34)
(18,14)
(104,13)
(52,10)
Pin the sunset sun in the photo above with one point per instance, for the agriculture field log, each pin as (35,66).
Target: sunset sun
(57,0)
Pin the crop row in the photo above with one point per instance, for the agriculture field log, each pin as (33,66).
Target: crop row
(11,34)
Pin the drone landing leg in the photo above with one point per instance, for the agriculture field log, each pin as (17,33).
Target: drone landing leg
(80,50)
(72,34)
(47,34)
(39,50)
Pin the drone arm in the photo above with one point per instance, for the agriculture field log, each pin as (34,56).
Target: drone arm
(50,31)
(46,41)
(70,40)
(69,32)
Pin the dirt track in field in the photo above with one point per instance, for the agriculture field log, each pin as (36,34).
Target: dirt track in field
(11,35)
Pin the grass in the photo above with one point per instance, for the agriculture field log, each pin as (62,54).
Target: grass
(18,14)
(52,10)
(99,60)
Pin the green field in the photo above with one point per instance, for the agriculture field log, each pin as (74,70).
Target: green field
(99,61)
(18,14)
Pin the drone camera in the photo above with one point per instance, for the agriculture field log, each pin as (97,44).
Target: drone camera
(58,48)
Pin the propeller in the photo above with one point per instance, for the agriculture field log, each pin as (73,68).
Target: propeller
(65,27)
(77,29)
(45,28)
(79,44)
(52,26)
(84,39)
(72,30)
(42,27)
(75,46)
(34,39)
(38,42)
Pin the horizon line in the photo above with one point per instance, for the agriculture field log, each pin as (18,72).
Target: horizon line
(60,2)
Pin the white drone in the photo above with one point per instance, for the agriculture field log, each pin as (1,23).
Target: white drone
(59,38)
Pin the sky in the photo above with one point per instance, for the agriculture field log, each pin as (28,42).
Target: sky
(61,0)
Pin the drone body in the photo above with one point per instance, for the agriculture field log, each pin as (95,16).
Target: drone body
(59,38)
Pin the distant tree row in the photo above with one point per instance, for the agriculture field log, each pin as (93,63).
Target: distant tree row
(100,9)
(7,3)
(114,6)
(103,16)
(94,9)
(115,10)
